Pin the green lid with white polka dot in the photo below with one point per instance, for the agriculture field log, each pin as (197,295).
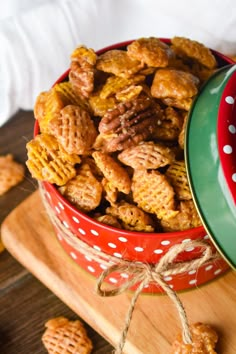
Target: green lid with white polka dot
(210,154)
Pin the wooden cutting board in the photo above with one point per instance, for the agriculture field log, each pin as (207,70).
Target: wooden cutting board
(29,237)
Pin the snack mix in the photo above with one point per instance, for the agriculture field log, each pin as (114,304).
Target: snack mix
(66,337)
(11,173)
(112,134)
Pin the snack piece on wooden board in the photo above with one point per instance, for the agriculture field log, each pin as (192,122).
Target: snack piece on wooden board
(204,339)
(66,337)
(11,173)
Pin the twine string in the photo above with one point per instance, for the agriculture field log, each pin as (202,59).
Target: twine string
(141,274)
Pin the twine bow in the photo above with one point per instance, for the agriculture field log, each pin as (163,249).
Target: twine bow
(142,274)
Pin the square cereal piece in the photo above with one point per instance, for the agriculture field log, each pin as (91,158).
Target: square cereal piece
(11,173)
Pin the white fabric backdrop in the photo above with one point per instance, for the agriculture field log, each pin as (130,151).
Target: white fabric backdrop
(37,37)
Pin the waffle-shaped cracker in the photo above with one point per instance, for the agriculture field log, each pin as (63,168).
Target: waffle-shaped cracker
(129,93)
(11,173)
(184,104)
(111,192)
(174,83)
(147,155)
(132,217)
(194,50)
(48,161)
(118,62)
(169,125)
(113,171)
(187,218)
(82,70)
(74,130)
(204,339)
(84,190)
(176,174)
(66,337)
(153,193)
(115,84)
(150,51)
(100,106)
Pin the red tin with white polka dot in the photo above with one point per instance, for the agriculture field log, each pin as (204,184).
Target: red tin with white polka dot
(132,246)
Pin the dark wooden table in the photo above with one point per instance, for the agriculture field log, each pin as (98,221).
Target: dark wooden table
(25,303)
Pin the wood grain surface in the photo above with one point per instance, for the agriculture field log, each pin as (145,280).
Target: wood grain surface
(29,237)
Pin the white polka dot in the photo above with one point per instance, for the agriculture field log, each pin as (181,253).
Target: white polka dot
(165,243)
(118,255)
(103,266)
(169,278)
(186,240)
(193,271)
(57,210)
(218,271)
(97,248)
(206,237)
(73,255)
(138,249)
(124,275)
(229,100)
(112,245)
(209,267)
(65,224)
(61,205)
(94,232)
(91,269)
(193,281)
(227,149)
(113,280)
(158,251)
(88,258)
(82,231)
(232,129)
(122,239)
(75,219)
(234,177)
(189,249)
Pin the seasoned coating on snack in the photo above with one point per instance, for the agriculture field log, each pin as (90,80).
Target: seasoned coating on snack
(100,106)
(48,104)
(127,124)
(119,63)
(177,175)
(204,339)
(194,50)
(113,171)
(201,71)
(111,192)
(115,84)
(74,130)
(169,125)
(187,218)
(11,173)
(153,193)
(84,190)
(174,83)
(82,70)
(181,137)
(147,155)
(184,104)
(132,217)
(109,220)
(129,93)
(66,337)
(48,161)
(150,51)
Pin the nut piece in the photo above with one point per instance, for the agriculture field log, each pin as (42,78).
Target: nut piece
(84,190)
(150,51)
(118,62)
(174,83)
(153,193)
(132,217)
(48,161)
(113,172)
(82,70)
(204,341)
(194,50)
(11,173)
(66,337)
(74,130)
(147,155)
